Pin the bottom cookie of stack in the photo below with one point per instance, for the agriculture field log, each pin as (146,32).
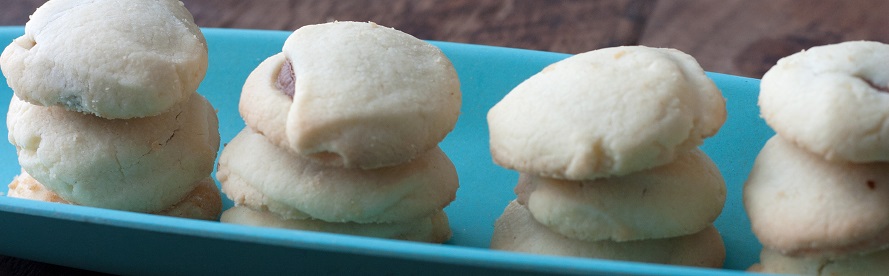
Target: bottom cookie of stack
(203,202)
(875,263)
(432,228)
(516,230)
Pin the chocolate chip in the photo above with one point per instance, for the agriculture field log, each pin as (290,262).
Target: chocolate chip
(286,81)
(875,86)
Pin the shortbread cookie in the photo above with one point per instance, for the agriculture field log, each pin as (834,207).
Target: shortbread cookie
(263,105)
(111,58)
(517,231)
(257,174)
(203,202)
(676,199)
(25,186)
(876,263)
(607,112)
(832,100)
(802,205)
(142,165)
(358,95)
(432,228)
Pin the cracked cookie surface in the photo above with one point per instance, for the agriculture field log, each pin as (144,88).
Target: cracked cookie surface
(142,165)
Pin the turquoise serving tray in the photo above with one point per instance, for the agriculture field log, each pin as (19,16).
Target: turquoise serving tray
(130,243)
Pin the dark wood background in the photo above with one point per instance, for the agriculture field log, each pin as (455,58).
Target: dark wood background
(738,37)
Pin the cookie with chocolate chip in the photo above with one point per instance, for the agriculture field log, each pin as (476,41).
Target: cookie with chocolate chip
(355,95)
(113,59)
(832,100)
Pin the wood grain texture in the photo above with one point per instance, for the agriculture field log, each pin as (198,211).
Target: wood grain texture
(562,26)
(747,37)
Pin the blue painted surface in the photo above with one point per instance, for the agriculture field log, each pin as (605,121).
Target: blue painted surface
(130,243)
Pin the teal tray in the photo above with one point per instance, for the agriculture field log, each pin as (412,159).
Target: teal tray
(130,243)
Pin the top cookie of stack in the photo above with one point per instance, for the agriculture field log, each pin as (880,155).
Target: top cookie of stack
(77,55)
(604,113)
(371,105)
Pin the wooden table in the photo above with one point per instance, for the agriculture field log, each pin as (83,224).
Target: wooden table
(731,36)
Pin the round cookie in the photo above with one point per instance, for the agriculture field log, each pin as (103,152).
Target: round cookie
(141,165)
(25,186)
(800,204)
(364,95)
(876,263)
(143,60)
(257,174)
(517,231)
(832,100)
(433,228)
(203,202)
(607,112)
(676,199)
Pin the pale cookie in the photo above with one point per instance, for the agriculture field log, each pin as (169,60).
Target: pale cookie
(832,100)
(257,174)
(802,205)
(141,165)
(25,186)
(876,263)
(676,199)
(363,95)
(203,202)
(112,58)
(517,231)
(607,112)
(263,105)
(433,228)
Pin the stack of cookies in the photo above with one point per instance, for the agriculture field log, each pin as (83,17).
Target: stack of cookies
(606,146)
(105,111)
(818,193)
(342,136)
